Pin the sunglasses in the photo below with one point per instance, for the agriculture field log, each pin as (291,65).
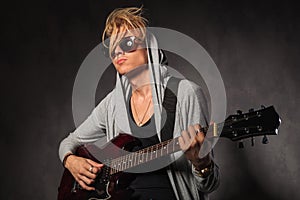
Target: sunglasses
(127,45)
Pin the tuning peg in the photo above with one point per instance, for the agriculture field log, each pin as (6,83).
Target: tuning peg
(239,112)
(252,141)
(265,140)
(251,110)
(241,144)
(263,107)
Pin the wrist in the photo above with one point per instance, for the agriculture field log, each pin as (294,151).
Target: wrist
(204,172)
(66,159)
(202,163)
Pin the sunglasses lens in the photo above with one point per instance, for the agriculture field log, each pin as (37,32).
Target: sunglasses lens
(128,44)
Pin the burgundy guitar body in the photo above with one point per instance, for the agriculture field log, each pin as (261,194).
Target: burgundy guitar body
(107,186)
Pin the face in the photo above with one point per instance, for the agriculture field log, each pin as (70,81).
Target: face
(124,60)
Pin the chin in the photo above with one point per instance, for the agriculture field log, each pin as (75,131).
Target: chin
(121,70)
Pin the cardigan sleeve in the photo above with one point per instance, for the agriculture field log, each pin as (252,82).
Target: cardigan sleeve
(194,110)
(92,129)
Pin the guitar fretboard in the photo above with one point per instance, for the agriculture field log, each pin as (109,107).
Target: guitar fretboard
(144,155)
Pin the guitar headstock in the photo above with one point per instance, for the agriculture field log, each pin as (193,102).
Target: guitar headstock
(254,123)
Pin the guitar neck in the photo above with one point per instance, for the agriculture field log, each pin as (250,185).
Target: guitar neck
(144,155)
(147,154)
(153,152)
(236,127)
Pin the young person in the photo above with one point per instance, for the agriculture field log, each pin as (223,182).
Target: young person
(136,106)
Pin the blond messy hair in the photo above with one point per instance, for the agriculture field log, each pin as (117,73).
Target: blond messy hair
(123,20)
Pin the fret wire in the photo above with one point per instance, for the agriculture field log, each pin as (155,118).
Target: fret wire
(121,162)
(167,148)
(131,160)
(174,145)
(142,155)
(139,158)
(146,154)
(127,162)
(124,162)
(111,166)
(151,152)
(111,169)
(136,158)
(117,164)
(134,164)
(114,165)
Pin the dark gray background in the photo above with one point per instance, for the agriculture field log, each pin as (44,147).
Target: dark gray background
(255,45)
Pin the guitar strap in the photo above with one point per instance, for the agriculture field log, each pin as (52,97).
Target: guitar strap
(169,109)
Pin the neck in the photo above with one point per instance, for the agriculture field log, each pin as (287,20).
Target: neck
(139,80)
(144,91)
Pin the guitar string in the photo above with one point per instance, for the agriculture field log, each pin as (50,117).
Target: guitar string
(156,147)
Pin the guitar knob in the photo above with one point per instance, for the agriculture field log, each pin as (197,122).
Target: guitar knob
(252,141)
(241,145)
(251,110)
(265,140)
(239,112)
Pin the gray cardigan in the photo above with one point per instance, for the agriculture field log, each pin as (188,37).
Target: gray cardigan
(191,109)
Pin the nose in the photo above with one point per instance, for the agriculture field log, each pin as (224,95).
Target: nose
(118,51)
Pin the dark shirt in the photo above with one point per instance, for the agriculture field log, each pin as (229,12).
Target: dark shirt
(153,184)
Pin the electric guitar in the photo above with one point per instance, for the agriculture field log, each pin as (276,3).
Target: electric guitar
(112,181)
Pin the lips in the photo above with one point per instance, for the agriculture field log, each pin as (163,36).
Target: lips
(121,60)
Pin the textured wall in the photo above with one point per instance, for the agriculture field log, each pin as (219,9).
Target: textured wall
(255,44)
